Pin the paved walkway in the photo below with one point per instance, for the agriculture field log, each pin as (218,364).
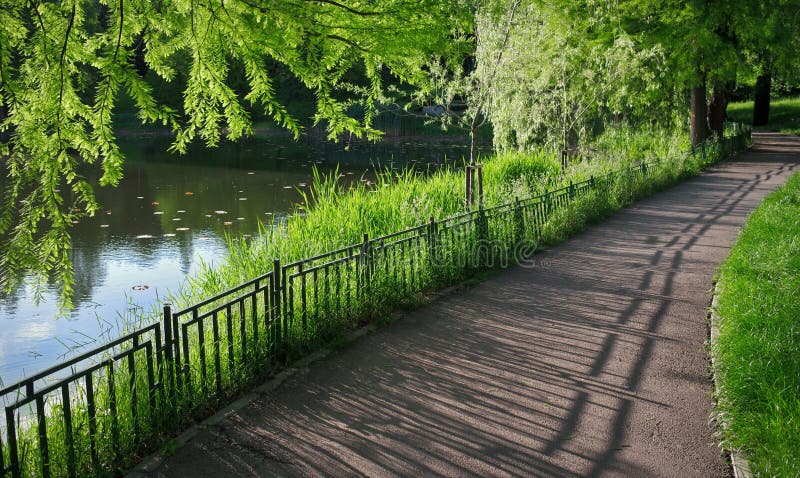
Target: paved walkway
(590,363)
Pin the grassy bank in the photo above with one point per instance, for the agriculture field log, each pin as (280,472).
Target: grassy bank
(784,115)
(332,218)
(758,350)
(133,398)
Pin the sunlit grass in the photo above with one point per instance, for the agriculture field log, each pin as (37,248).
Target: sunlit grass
(758,349)
(230,345)
(784,114)
(332,217)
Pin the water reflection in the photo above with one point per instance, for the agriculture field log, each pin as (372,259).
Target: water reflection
(170,214)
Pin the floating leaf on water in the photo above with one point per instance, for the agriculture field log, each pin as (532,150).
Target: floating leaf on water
(182,229)
(181,211)
(240,219)
(176,219)
(74,222)
(241,191)
(168,235)
(140,287)
(287,187)
(108,213)
(155,203)
(251,172)
(242,199)
(268,213)
(158,213)
(227,223)
(144,236)
(208,215)
(103,225)
(220,212)
(188,193)
(139,197)
(302,185)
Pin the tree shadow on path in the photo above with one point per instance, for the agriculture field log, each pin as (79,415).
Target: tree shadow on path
(589,363)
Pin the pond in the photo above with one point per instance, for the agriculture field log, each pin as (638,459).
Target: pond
(169,215)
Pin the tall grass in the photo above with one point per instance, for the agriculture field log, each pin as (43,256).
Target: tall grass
(758,349)
(331,217)
(230,344)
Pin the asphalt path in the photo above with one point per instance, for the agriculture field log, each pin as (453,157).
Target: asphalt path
(590,362)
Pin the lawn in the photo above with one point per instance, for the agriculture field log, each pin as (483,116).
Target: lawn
(784,114)
(758,350)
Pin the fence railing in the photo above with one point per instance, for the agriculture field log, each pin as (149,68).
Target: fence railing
(99,410)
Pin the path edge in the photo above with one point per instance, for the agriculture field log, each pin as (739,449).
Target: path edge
(150,463)
(739,463)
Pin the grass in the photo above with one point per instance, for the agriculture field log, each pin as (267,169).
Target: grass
(784,115)
(332,217)
(758,349)
(230,345)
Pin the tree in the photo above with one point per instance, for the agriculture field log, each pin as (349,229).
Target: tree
(63,65)
(460,84)
(563,73)
(580,62)
(770,38)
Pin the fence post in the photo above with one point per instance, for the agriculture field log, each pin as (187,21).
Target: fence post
(433,234)
(548,207)
(571,190)
(479,171)
(482,235)
(366,262)
(13,448)
(519,221)
(278,330)
(468,186)
(168,351)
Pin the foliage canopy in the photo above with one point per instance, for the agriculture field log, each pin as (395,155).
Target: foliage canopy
(64,65)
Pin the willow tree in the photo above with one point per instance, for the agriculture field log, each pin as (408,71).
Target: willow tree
(578,60)
(560,76)
(65,64)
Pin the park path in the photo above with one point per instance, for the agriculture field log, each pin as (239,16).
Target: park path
(589,363)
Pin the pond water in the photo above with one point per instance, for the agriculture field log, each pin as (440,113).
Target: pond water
(170,214)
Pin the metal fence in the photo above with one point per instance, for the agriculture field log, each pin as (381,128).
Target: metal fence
(97,411)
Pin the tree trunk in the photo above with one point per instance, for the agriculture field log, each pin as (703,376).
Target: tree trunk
(761,104)
(697,112)
(716,108)
(472,133)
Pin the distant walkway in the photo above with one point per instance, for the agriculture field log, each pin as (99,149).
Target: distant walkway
(591,363)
